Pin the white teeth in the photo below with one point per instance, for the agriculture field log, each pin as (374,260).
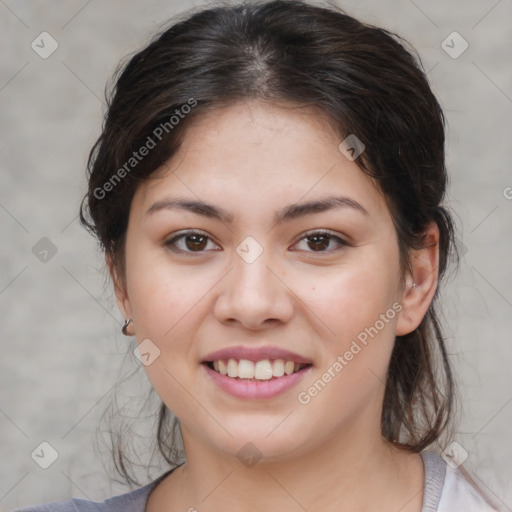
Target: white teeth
(245,369)
(289,366)
(232,368)
(261,370)
(278,368)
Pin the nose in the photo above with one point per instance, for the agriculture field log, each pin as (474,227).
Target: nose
(254,295)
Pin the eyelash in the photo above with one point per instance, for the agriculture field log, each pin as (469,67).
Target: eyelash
(171,243)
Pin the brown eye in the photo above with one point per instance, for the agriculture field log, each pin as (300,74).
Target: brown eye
(320,241)
(190,242)
(195,242)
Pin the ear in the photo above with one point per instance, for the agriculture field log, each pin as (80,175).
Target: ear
(119,288)
(425,272)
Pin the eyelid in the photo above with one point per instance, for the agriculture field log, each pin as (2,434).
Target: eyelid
(319,232)
(170,241)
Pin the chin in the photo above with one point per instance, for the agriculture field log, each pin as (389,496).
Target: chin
(268,439)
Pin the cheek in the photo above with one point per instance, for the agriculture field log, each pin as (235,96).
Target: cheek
(358,311)
(350,299)
(165,302)
(358,307)
(161,294)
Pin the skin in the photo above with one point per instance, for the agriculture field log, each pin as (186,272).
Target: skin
(253,159)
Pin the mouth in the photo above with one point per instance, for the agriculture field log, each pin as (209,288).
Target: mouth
(246,372)
(262,370)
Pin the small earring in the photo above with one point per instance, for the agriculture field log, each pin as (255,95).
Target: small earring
(413,285)
(124,329)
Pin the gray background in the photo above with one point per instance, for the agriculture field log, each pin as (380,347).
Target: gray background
(62,352)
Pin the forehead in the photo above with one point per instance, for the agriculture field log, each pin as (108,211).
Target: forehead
(262,154)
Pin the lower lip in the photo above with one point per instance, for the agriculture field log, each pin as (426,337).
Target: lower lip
(245,388)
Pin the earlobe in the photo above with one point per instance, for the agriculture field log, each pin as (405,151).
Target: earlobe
(421,285)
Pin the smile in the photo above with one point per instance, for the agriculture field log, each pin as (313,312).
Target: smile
(265,369)
(263,379)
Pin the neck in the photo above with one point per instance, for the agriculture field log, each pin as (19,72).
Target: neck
(341,476)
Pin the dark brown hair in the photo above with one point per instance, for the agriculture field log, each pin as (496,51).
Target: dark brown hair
(366,80)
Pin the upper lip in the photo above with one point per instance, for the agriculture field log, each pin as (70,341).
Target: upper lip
(256,354)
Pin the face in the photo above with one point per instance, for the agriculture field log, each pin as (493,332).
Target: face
(260,249)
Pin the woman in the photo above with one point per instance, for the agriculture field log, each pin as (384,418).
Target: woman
(268,191)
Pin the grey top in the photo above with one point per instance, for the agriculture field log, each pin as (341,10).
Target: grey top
(135,501)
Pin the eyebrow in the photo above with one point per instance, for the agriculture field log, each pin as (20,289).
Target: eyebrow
(290,212)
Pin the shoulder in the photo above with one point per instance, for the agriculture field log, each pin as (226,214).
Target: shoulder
(134,501)
(460,489)
(449,489)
